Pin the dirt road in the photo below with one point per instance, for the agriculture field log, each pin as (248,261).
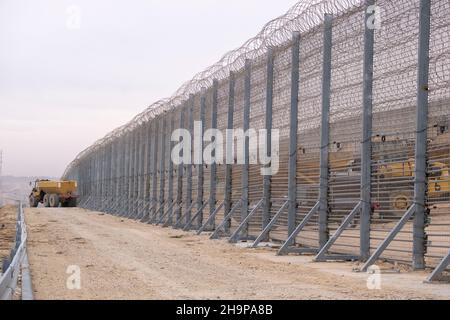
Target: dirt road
(122,259)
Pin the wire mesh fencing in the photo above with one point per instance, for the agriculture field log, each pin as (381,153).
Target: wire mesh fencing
(357,93)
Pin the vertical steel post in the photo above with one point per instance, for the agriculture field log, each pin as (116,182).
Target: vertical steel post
(128,170)
(267,183)
(246,166)
(149,165)
(153,212)
(325,132)
(190,165)
(101,160)
(142,169)
(133,173)
(124,187)
(201,178)
(229,151)
(162,167)
(180,175)
(366,146)
(117,191)
(136,171)
(110,158)
(420,183)
(130,175)
(97,180)
(170,197)
(293,133)
(213,176)
(100,179)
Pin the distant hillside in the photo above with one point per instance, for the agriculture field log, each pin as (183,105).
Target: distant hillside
(16,188)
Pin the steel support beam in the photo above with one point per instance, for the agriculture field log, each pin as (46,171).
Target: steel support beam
(149,181)
(136,172)
(241,229)
(267,179)
(229,151)
(374,257)
(325,131)
(201,178)
(437,274)
(285,248)
(169,213)
(141,171)
(178,224)
(246,166)
(366,145)
(162,168)
(265,233)
(421,183)
(170,173)
(188,226)
(213,174)
(190,165)
(132,197)
(124,206)
(211,218)
(180,174)
(227,218)
(147,171)
(293,133)
(321,256)
(155,150)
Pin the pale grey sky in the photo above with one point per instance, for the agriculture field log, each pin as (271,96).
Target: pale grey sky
(63,87)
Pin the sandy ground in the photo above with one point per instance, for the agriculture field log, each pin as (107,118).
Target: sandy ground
(8,218)
(123,259)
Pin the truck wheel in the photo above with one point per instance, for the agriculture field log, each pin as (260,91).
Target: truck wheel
(46,201)
(72,203)
(400,201)
(54,200)
(33,202)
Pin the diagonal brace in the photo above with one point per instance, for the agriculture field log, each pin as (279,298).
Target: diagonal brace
(235,236)
(389,238)
(166,213)
(270,225)
(189,224)
(321,256)
(210,218)
(436,275)
(154,216)
(215,234)
(167,223)
(284,249)
(146,217)
(178,223)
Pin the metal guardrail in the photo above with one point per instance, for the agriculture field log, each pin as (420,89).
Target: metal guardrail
(12,267)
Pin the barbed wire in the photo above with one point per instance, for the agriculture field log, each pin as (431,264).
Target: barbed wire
(302,17)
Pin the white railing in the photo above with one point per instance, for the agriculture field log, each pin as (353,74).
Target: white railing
(13,267)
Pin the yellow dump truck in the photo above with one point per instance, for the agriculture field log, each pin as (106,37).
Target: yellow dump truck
(54,193)
(438,181)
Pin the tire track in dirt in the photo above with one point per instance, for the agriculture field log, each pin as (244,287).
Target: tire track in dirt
(123,259)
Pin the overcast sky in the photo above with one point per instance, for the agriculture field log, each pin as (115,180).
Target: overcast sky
(67,81)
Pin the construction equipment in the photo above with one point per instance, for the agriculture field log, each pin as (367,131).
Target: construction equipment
(53,193)
(438,181)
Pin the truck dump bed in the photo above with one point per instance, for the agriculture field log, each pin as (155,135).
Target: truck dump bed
(58,187)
